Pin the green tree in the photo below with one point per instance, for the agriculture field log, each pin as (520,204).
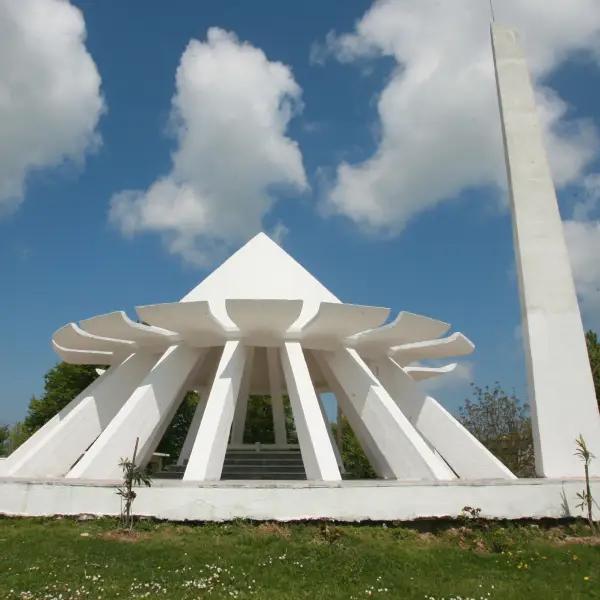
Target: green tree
(172,441)
(259,421)
(356,464)
(11,437)
(259,428)
(502,424)
(4,437)
(62,383)
(290,425)
(593,347)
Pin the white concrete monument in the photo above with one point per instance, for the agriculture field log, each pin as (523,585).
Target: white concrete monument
(259,324)
(561,387)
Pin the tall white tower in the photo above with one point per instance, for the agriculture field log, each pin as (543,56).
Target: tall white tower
(561,387)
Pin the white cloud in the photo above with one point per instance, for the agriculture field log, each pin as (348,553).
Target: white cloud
(50,99)
(583,240)
(453,382)
(589,203)
(230,112)
(439,124)
(279,232)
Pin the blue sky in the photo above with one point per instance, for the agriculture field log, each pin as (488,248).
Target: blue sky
(441,243)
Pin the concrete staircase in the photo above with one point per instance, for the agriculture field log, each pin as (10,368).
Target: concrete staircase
(263,463)
(260,462)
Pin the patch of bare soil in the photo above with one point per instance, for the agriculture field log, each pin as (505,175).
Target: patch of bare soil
(122,535)
(272,528)
(427,537)
(569,540)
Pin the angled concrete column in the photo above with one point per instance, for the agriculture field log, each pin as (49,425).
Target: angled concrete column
(362,433)
(31,446)
(241,407)
(208,452)
(467,456)
(273,365)
(395,448)
(190,436)
(146,414)
(561,388)
(332,440)
(52,450)
(315,445)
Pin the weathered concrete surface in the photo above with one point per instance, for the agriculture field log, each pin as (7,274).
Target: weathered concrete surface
(314,438)
(561,388)
(287,501)
(51,451)
(145,415)
(395,448)
(208,452)
(465,454)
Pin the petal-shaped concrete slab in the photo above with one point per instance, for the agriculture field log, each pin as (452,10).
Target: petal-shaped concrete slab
(406,328)
(119,325)
(422,373)
(73,337)
(192,321)
(454,345)
(262,320)
(334,322)
(83,357)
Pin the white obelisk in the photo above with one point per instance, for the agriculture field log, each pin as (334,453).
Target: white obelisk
(561,388)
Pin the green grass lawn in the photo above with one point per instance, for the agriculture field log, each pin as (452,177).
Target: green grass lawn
(64,558)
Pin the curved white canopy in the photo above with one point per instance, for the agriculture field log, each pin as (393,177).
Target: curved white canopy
(262,296)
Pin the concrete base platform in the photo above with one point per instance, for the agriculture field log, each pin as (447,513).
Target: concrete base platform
(299,500)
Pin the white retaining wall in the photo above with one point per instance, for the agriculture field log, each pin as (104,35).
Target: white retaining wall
(287,501)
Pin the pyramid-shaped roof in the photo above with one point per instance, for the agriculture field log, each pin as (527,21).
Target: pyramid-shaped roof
(261,269)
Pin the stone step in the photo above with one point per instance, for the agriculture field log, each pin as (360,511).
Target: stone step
(247,458)
(264,461)
(262,469)
(258,463)
(167,475)
(242,474)
(267,455)
(263,476)
(261,448)
(250,463)
(174,468)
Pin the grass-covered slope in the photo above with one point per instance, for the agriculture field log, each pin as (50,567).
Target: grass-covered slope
(63,558)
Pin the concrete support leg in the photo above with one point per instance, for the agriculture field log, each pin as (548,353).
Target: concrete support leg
(372,451)
(52,450)
(468,457)
(192,433)
(315,445)
(336,449)
(208,452)
(274,368)
(241,407)
(146,414)
(395,448)
(561,388)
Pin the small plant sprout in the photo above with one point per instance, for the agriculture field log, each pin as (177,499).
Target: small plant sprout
(471,512)
(132,475)
(585,496)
